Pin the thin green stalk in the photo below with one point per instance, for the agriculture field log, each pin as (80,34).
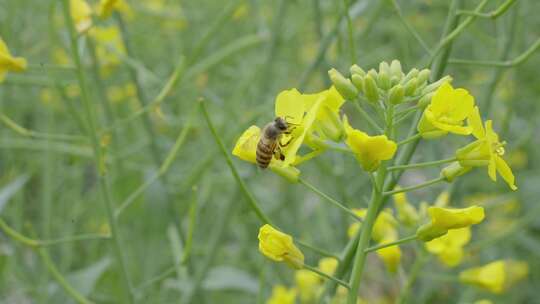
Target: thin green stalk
(367,117)
(409,139)
(89,112)
(409,27)
(329,199)
(326,276)
(492,14)
(422,165)
(390,244)
(250,198)
(191,228)
(418,264)
(415,187)
(316,250)
(352,44)
(163,275)
(38,135)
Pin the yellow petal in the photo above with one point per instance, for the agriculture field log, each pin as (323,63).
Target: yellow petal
(491,276)
(447,218)
(307,284)
(475,122)
(246,145)
(279,247)
(505,172)
(282,295)
(290,105)
(328,265)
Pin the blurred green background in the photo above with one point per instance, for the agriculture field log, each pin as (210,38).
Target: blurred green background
(239,55)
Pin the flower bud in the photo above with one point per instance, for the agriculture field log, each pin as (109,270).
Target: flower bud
(383,80)
(396,95)
(425,100)
(428,232)
(332,127)
(356,70)
(373,74)
(384,67)
(343,85)
(434,86)
(454,170)
(370,89)
(412,74)
(358,82)
(393,81)
(423,76)
(410,87)
(395,69)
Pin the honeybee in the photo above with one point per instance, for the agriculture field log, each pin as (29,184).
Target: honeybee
(270,143)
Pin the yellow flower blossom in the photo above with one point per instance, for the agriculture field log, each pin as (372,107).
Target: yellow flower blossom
(8,62)
(109,45)
(308,285)
(497,276)
(449,247)
(327,122)
(282,295)
(279,247)
(369,150)
(487,150)
(444,219)
(106,7)
(81,13)
(384,231)
(328,265)
(445,114)
(407,213)
(483,301)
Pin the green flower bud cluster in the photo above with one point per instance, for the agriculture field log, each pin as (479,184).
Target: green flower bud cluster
(389,83)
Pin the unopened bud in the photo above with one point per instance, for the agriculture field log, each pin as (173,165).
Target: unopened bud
(453,170)
(358,82)
(425,100)
(412,74)
(356,70)
(396,95)
(393,81)
(370,89)
(395,69)
(423,76)
(384,80)
(384,67)
(434,86)
(343,85)
(410,87)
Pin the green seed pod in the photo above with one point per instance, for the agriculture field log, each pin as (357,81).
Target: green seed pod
(358,82)
(453,170)
(356,70)
(425,100)
(395,69)
(384,80)
(410,86)
(343,85)
(412,74)
(434,86)
(370,89)
(397,94)
(423,76)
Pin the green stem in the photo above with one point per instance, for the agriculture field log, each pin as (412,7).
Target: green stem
(326,276)
(352,45)
(38,135)
(409,28)
(493,14)
(329,199)
(367,117)
(422,165)
(411,188)
(89,112)
(409,139)
(385,245)
(316,250)
(250,198)
(418,264)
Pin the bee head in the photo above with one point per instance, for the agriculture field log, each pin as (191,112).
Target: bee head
(281,124)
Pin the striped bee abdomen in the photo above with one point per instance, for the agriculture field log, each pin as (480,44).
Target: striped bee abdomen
(265,152)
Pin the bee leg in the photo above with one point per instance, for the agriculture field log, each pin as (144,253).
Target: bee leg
(285,144)
(278,154)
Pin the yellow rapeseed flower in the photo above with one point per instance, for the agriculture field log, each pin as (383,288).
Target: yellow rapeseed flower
(279,247)
(445,114)
(369,150)
(109,45)
(449,247)
(106,7)
(282,295)
(81,13)
(327,122)
(328,265)
(308,285)
(444,219)
(497,276)
(406,213)
(8,62)
(487,150)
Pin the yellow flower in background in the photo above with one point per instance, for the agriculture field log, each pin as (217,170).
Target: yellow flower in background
(487,150)
(446,113)
(483,301)
(308,285)
(369,150)
(106,8)
(444,219)
(279,247)
(109,45)
(328,265)
(449,247)
(406,213)
(81,13)
(391,256)
(8,62)
(282,295)
(497,276)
